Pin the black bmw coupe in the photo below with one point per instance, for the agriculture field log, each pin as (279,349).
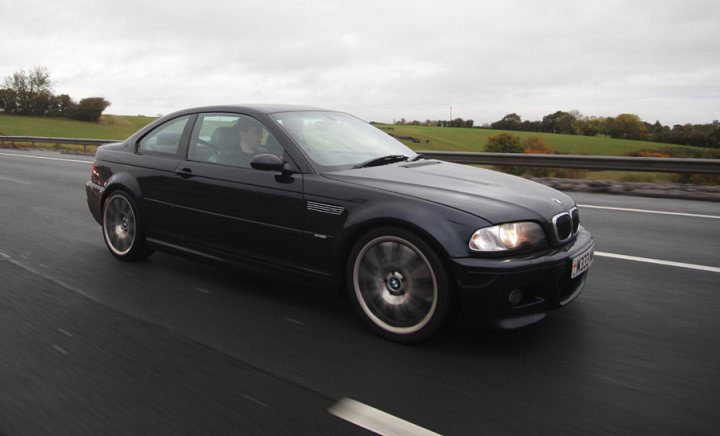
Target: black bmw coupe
(323,193)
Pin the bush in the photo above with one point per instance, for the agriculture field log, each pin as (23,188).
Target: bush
(536,145)
(505,143)
(90,109)
(681,152)
(568,173)
(696,179)
(648,153)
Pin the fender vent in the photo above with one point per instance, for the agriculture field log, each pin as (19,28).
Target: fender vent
(325,208)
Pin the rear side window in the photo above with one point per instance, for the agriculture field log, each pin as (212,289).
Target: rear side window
(164,138)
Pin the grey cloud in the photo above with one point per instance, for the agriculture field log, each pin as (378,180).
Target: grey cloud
(379,59)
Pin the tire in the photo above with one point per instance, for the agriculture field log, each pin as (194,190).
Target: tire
(398,285)
(122,230)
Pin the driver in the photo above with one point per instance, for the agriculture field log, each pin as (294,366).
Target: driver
(249,135)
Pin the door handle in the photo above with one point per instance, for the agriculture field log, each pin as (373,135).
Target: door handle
(184,172)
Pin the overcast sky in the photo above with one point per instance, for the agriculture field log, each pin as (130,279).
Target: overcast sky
(380,60)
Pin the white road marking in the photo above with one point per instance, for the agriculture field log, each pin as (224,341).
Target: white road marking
(375,420)
(255,400)
(659,262)
(14,180)
(293,321)
(659,212)
(66,333)
(46,158)
(59,349)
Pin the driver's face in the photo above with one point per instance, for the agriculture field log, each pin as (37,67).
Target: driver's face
(251,137)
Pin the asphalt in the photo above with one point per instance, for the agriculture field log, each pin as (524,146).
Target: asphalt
(92,345)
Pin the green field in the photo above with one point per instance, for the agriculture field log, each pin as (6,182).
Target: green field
(109,126)
(431,138)
(473,140)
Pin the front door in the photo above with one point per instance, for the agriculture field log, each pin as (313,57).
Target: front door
(230,207)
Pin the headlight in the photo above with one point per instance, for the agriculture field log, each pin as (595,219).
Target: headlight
(505,237)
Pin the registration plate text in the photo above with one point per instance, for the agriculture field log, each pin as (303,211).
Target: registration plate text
(581,263)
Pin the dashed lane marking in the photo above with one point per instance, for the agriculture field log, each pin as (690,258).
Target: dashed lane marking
(375,420)
(293,321)
(658,212)
(658,261)
(60,349)
(254,400)
(46,158)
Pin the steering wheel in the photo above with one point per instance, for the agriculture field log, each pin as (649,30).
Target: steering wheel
(215,150)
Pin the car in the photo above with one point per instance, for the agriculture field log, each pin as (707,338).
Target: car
(324,194)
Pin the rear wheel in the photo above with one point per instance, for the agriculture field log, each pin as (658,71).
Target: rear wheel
(398,284)
(122,229)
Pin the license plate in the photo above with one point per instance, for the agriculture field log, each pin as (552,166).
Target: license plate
(581,263)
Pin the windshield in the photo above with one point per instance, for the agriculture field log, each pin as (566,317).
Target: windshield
(335,141)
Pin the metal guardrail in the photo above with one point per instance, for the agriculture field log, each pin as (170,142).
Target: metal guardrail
(618,163)
(33,140)
(45,140)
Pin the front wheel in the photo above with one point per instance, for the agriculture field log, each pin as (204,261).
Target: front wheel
(398,284)
(121,227)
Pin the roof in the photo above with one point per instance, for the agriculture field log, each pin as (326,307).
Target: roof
(254,108)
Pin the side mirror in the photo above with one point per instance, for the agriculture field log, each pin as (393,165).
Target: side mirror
(270,162)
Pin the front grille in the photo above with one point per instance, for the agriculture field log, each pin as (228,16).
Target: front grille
(575,219)
(563,226)
(566,224)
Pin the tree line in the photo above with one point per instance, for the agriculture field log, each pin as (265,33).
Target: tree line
(457,122)
(31,93)
(623,126)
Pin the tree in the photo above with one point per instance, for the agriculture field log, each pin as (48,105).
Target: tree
(457,122)
(508,122)
(549,122)
(27,93)
(627,126)
(31,93)
(8,100)
(566,123)
(62,106)
(90,109)
(560,122)
(589,126)
(531,126)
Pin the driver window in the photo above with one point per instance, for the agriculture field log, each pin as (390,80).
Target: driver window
(230,139)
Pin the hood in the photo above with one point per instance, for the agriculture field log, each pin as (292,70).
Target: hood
(491,195)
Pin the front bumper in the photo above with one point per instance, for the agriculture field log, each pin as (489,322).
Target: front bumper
(543,280)
(94,193)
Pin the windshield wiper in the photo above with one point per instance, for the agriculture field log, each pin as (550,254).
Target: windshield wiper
(417,157)
(383,160)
